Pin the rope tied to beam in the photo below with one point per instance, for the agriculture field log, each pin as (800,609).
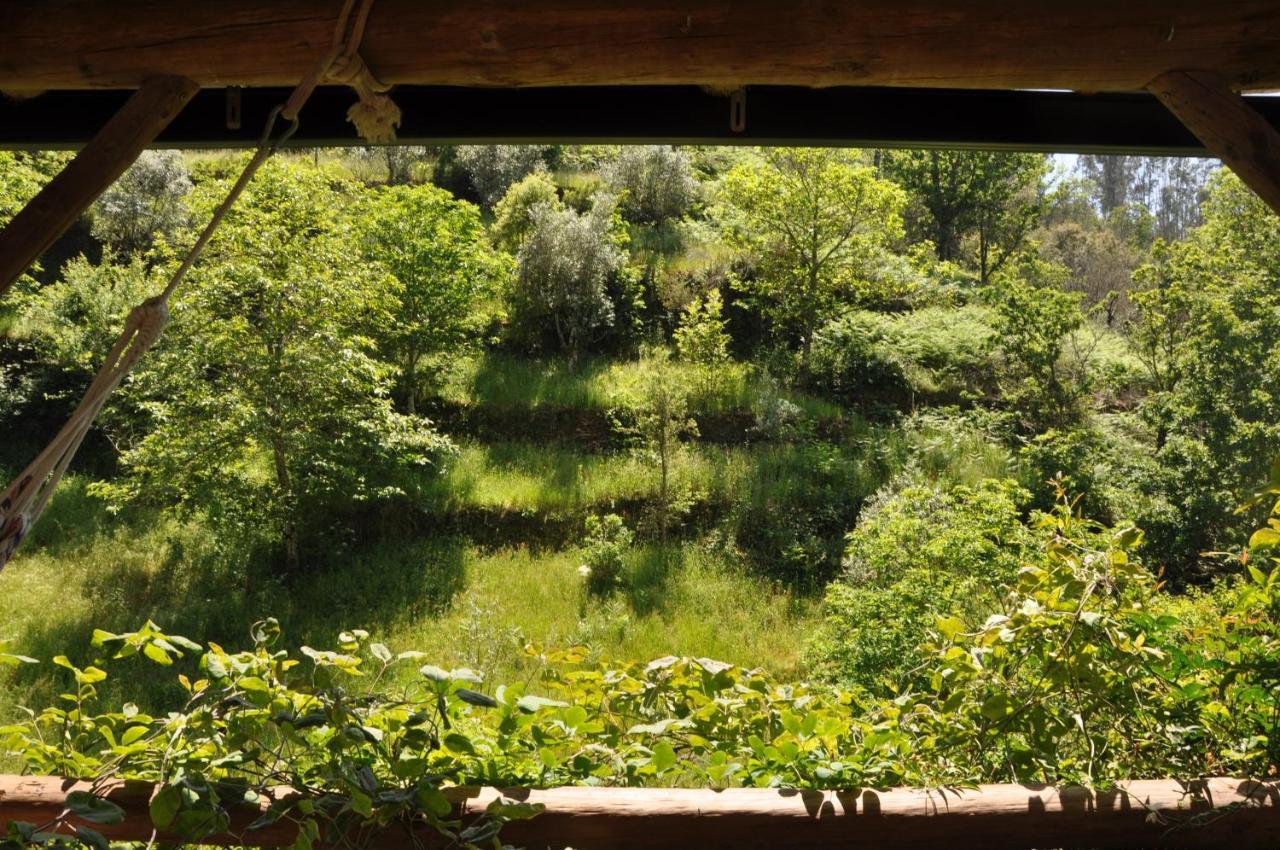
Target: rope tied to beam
(25,499)
(375,115)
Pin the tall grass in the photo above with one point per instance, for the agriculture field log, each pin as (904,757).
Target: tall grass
(532,477)
(443,596)
(502,380)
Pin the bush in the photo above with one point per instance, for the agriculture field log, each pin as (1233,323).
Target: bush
(936,355)
(491,169)
(918,552)
(654,182)
(565,270)
(607,542)
(146,203)
(791,519)
(513,216)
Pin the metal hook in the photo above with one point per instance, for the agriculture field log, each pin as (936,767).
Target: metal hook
(738,110)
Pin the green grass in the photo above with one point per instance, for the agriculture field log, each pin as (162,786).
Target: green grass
(501,380)
(529,477)
(443,596)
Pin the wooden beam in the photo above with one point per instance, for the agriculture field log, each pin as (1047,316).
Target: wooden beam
(48,215)
(1235,813)
(1230,129)
(1087,45)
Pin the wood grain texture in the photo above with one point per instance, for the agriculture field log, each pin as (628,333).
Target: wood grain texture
(1089,45)
(1229,128)
(64,198)
(1231,813)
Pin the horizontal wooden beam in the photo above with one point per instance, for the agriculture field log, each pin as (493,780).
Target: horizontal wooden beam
(775,115)
(1235,813)
(112,150)
(1087,45)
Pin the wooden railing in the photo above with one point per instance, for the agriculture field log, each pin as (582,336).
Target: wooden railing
(1221,813)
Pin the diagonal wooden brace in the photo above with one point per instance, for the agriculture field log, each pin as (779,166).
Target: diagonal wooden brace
(48,215)
(1232,130)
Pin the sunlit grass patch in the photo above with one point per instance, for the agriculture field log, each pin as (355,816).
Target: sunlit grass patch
(501,380)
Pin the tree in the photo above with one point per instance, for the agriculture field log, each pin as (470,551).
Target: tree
(270,406)
(654,183)
(145,204)
(993,197)
(434,248)
(702,339)
(73,323)
(1117,180)
(661,406)
(1209,329)
(1032,325)
(1100,265)
(815,220)
(563,273)
(398,160)
(513,215)
(493,168)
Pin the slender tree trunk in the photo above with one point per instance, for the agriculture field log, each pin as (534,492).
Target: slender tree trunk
(292,560)
(411,383)
(663,449)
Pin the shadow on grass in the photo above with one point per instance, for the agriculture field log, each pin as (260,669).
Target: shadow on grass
(649,578)
(205,590)
(509,381)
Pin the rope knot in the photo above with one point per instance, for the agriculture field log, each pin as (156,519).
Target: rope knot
(376,116)
(148,320)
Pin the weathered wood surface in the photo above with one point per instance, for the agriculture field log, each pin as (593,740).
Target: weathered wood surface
(108,154)
(1159,813)
(1229,128)
(1088,45)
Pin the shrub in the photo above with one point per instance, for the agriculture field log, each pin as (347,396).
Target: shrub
(792,515)
(918,552)
(565,269)
(513,216)
(938,355)
(607,542)
(1032,325)
(654,183)
(491,169)
(147,202)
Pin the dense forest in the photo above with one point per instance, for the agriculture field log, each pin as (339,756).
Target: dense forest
(958,465)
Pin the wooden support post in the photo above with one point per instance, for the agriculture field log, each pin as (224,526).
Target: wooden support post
(1231,129)
(48,215)
(1236,813)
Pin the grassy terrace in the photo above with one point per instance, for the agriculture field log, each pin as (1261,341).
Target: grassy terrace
(600,385)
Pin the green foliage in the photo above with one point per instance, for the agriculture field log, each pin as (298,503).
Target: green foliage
(270,407)
(72,324)
(815,220)
(146,204)
(1032,325)
(930,355)
(991,199)
(259,719)
(433,247)
(1208,332)
(491,169)
(653,183)
(703,341)
(565,269)
(660,419)
(918,553)
(793,511)
(604,558)
(1078,676)
(513,215)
